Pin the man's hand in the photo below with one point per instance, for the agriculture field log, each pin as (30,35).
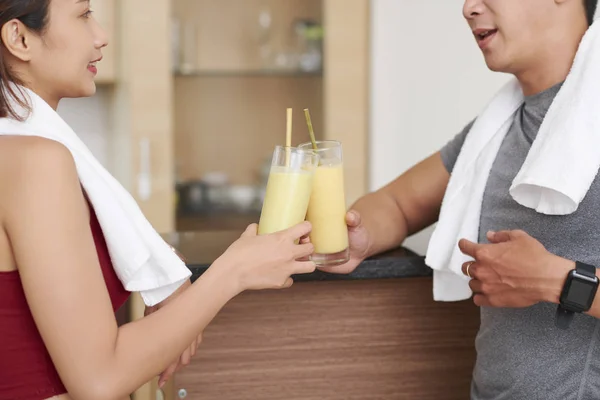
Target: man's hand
(187,355)
(514,270)
(359,244)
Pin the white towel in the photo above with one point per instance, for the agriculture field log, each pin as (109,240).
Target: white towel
(143,261)
(559,169)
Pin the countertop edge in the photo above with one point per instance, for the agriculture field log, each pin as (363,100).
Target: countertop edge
(389,265)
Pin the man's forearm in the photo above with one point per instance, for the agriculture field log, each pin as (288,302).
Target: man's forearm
(405,206)
(384,221)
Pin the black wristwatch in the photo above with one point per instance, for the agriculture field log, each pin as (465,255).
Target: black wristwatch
(578,293)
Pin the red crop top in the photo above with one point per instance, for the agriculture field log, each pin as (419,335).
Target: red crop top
(26,369)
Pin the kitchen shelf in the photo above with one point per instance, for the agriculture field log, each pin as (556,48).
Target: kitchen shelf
(249,73)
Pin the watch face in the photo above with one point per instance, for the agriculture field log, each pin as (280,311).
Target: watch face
(579,292)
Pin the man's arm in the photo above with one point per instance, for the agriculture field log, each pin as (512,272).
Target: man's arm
(407,205)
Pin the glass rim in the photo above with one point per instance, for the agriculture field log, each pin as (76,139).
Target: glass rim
(329,144)
(297,149)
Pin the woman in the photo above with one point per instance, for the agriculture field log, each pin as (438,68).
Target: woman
(58,289)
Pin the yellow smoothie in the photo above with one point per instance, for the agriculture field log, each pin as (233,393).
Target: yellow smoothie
(286,199)
(327,210)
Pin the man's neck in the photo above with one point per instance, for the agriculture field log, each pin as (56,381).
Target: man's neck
(552,69)
(537,80)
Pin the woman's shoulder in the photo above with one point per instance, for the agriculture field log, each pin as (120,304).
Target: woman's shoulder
(31,153)
(33,163)
(18,145)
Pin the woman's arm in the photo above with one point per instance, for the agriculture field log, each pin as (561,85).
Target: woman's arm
(49,230)
(186,357)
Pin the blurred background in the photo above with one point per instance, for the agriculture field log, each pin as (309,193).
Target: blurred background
(192,96)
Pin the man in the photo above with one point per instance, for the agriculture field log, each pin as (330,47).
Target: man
(519,272)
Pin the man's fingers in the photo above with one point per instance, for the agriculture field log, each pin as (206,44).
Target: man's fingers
(476,286)
(467,247)
(481,300)
(469,269)
(504,236)
(498,237)
(353,218)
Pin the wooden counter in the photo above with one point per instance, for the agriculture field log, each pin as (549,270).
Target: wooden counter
(336,340)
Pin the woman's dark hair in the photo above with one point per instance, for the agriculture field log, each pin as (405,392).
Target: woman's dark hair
(34,15)
(590,9)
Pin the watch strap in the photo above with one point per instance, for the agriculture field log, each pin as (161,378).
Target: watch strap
(585,269)
(563,317)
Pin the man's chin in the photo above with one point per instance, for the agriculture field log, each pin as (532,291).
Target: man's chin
(496,65)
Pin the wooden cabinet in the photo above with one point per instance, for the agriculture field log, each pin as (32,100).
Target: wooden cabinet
(380,339)
(105,14)
(230,108)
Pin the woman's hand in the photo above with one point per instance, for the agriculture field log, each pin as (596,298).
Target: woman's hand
(267,261)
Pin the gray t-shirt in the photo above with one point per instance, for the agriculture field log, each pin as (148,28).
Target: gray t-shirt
(521,355)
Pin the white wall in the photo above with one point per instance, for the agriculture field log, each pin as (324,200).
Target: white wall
(428,80)
(90,119)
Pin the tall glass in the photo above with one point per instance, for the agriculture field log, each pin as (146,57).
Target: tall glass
(288,189)
(327,206)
